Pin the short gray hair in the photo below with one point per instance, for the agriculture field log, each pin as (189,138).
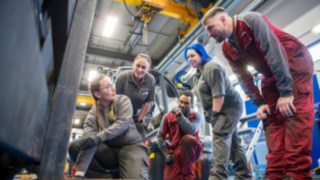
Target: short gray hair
(211,13)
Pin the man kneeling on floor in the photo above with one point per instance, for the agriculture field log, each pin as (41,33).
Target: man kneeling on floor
(181,126)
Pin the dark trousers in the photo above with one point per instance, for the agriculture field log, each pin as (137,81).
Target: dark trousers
(227,146)
(130,161)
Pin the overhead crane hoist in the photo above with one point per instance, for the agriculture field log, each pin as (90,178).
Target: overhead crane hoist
(189,12)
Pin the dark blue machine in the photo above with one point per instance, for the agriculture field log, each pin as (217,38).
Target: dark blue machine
(315,153)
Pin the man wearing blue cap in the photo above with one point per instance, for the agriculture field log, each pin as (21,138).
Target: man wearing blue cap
(223,108)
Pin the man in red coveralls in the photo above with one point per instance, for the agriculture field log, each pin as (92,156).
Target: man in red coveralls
(286,102)
(181,127)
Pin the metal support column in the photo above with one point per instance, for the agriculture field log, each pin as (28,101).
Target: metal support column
(59,127)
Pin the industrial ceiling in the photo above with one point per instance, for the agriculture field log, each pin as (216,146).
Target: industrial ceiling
(167,32)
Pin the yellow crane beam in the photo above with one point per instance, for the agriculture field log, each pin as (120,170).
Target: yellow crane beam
(171,9)
(179,11)
(88,100)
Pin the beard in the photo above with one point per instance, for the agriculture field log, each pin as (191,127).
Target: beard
(219,39)
(219,36)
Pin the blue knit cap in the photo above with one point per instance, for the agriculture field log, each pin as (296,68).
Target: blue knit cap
(200,50)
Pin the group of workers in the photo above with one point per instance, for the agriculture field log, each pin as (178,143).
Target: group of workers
(113,134)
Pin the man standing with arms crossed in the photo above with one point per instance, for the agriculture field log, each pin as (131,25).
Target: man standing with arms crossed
(286,103)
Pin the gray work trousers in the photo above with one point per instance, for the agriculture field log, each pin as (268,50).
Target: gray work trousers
(130,160)
(226,146)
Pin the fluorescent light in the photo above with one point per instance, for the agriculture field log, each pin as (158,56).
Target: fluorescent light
(92,74)
(76,121)
(316,29)
(110,25)
(83,104)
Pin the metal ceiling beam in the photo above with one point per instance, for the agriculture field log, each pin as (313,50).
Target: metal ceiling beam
(110,54)
(115,55)
(135,35)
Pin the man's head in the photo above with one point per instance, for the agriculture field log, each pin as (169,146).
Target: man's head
(218,24)
(185,101)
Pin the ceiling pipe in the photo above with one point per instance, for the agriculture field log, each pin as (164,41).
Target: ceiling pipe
(135,36)
(253,5)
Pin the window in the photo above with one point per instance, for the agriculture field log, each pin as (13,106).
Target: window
(315,51)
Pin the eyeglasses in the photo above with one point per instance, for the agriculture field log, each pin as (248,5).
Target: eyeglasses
(108,86)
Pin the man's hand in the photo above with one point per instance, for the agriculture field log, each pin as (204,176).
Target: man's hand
(212,116)
(285,106)
(169,159)
(89,142)
(177,111)
(150,127)
(263,111)
(207,116)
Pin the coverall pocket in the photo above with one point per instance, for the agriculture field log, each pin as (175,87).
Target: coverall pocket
(301,93)
(304,89)
(298,64)
(222,125)
(303,100)
(295,55)
(231,52)
(144,169)
(145,161)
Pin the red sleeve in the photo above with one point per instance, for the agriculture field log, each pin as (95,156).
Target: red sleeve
(245,78)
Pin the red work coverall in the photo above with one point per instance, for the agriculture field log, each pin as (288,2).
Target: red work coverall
(287,69)
(186,149)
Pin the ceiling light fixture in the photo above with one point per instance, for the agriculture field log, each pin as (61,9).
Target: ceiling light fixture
(92,74)
(76,121)
(316,29)
(110,25)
